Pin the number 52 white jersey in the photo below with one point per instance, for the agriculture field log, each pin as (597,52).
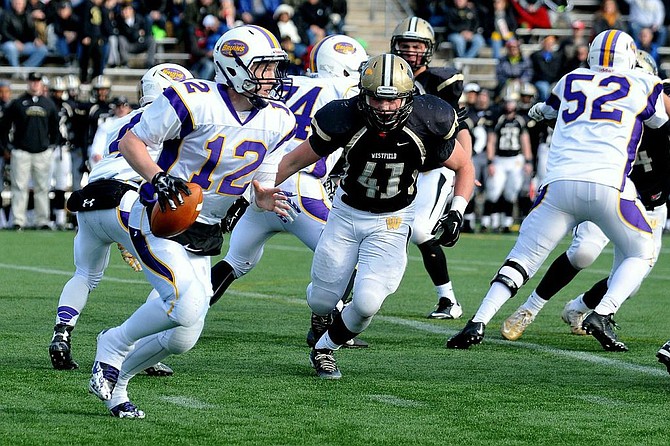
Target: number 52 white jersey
(600,120)
(207,142)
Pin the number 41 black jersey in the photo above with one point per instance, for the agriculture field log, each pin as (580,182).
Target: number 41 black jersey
(381,169)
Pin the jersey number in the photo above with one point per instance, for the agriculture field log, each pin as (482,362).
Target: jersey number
(370,183)
(231,184)
(600,109)
(303,109)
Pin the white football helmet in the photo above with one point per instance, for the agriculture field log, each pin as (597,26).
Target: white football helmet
(158,78)
(337,56)
(646,63)
(612,50)
(239,48)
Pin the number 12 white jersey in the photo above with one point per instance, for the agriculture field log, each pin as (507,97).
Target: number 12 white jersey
(601,117)
(207,142)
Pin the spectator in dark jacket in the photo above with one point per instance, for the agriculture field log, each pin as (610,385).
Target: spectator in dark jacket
(19,37)
(314,17)
(95,28)
(34,118)
(135,35)
(513,67)
(260,12)
(463,30)
(547,63)
(63,31)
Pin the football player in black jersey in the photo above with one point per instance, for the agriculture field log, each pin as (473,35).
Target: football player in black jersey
(414,40)
(388,135)
(650,177)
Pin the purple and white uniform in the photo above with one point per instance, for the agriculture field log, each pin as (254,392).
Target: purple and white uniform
(306,96)
(600,119)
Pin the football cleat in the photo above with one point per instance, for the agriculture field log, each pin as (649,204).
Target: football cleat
(351,343)
(573,318)
(446,309)
(126,410)
(159,369)
(663,355)
(602,328)
(516,324)
(471,334)
(324,364)
(60,349)
(103,380)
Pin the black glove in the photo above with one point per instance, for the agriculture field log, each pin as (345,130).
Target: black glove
(666,86)
(448,228)
(234,214)
(168,187)
(462,114)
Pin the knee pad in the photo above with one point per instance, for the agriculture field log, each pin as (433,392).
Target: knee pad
(92,279)
(512,275)
(583,255)
(320,300)
(182,339)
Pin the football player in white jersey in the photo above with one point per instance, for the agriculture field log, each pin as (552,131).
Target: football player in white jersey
(102,210)
(600,112)
(649,174)
(218,134)
(334,62)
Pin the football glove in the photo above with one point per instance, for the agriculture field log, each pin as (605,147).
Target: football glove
(448,228)
(234,214)
(535,112)
(666,86)
(293,209)
(129,258)
(462,114)
(167,188)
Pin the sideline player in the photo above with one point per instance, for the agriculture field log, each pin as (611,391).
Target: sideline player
(414,40)
(335,62)
(102,212)
(221,135)
(600,114)
(388,135)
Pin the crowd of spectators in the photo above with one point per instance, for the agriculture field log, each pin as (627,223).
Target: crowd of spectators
(470,26)
(95,34)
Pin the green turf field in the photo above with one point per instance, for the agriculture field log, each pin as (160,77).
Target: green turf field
(248,381)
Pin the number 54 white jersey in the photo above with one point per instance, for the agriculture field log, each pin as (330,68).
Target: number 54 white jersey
(600,120)
(207,142)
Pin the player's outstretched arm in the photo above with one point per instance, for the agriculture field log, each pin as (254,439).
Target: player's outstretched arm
(296,159)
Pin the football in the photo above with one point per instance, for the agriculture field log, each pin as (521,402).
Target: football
(174,222)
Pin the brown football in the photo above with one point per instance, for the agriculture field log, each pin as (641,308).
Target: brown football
(174,222)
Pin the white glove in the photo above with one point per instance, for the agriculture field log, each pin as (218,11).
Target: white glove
(129,258)
(293,209)
(535,112)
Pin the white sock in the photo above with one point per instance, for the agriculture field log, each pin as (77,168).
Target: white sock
(447,291)
(534,303)
(497,295)
(74,295)
(578,304)
(325,342)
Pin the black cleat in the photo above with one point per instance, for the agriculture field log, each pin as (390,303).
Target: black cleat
(602,328)
(60,349)
(446,309)
(663,355)
(471,334)
(324,364)
(159,369)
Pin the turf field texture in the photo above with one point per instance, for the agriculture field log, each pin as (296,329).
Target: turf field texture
(248,380)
